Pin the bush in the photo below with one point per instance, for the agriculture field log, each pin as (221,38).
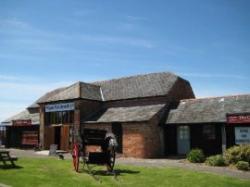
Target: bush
(216,160)
(237,153)
(196,156)
(242,165)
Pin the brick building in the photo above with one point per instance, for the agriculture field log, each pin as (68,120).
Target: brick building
(151,115)
(132,107)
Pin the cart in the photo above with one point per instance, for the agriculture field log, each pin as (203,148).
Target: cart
(94,137)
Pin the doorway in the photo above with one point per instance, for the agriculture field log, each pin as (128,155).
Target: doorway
(183,139)
(57,137)
(117,130)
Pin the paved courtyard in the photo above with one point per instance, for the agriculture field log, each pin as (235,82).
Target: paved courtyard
(166,162)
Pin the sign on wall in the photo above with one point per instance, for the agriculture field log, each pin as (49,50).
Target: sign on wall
(242,135)
(239,118)
(30,138)
(60,107)
(20,122)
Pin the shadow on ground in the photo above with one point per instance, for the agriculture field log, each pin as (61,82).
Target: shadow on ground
(10,167)
(116,172)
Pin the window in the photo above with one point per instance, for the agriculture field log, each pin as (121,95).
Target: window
(209,132)
(63,117)
(184,132)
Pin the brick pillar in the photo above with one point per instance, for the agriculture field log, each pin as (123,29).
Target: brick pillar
(42,124)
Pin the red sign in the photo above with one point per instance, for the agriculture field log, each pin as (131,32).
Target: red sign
(30,138)
(22,122)
(239,118)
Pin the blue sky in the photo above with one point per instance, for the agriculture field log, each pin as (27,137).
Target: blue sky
(48,44)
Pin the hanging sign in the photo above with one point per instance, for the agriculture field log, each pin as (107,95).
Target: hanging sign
(60,107)
(242,135)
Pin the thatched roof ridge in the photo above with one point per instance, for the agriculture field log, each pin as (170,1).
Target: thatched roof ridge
(207,110)
(126,114)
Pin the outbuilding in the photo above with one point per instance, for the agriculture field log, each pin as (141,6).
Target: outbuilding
(212,124)
(21,130)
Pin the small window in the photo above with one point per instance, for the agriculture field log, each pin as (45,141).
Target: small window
(209,132)
(184,132)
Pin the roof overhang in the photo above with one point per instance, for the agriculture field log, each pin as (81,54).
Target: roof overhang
(131,114)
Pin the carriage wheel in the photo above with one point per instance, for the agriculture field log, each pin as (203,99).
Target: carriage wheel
(75,155)
(111,164)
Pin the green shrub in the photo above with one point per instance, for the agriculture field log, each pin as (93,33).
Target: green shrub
(242,165)
(196,156)
(216,160)
(237,153)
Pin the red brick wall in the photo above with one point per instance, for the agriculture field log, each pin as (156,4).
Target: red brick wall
(140,140)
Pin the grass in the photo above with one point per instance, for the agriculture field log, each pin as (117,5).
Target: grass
(53,172)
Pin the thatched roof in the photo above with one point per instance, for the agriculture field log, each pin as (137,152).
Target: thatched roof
(126,114)
(154,84)
(24,115)
(74,91)
(209,109)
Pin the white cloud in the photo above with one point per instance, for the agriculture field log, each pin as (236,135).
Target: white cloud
(9,109)
(138,42)
(16,96)
(211,75)
(14,23)
(84,12)
(136,18)
(9,78)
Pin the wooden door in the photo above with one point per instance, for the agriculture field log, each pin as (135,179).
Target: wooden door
(48,137)
(65,138)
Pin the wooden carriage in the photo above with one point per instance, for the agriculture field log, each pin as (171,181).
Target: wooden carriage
(94,137)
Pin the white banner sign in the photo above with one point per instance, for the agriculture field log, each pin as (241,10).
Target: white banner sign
(242,135)
(59,107)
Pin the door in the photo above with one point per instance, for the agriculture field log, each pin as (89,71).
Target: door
(117,130)
(57,137)
(183,139)
(65,138)
(170,133)
(49,135)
